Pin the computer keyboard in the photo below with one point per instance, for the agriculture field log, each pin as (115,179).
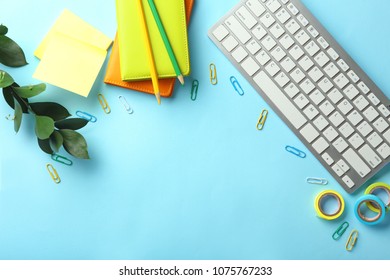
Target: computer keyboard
(312,83)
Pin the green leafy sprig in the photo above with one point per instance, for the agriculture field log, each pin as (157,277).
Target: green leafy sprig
(53,127)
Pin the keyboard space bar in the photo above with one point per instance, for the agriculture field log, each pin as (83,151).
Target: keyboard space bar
(277,97)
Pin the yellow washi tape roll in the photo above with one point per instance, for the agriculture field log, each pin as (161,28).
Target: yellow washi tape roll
(378,186)
(320,211)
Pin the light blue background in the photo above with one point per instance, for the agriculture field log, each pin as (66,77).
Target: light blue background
(185,180)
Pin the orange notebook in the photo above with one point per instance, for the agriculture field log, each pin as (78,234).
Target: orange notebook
(113,75)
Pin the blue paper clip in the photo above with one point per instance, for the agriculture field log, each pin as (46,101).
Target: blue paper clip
(316,181)
(295,151)
(61,159)
(194,90)
(86,116)
(237,85)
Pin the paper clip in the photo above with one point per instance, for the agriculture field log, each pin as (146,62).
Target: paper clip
(104,104)
(316,181)
(213,74)
(10,117)
(352,239)
(86,116)
(61,159)
(237,85)
(340,231)
(194,90)
(125,104)
(262,119)
(53,173)
(295,151)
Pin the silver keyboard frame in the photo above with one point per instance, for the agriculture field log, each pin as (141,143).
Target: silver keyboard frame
(343,54)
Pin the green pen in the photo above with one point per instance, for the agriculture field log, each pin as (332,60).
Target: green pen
(166,41)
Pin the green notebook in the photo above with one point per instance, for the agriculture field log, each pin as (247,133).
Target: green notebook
(132,52)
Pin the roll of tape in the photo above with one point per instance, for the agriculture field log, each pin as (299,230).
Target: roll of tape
(378,186)
(379,206)
(320,211)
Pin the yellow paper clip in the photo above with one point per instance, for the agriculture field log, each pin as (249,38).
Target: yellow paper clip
(86,116)
(125,104)
(194,90)
(104,104)
(10,117)
(352,239)
(262,119)
(237,85)
(213,74)
(53,173)
(316,181)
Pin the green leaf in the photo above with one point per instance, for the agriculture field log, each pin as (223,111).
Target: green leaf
(56,141)
(10,53)
(9,96)
(75,144)
(73,124)
(18,116)
(44,127)
(3,29)
(45,146)
(5,79)
(30,91)
(53,110)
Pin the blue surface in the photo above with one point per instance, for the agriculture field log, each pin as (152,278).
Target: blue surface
(185,180)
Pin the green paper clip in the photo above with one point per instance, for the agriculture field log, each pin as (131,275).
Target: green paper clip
(262,119)
(237,85)
(295,151)
(61,159)
(86,116)
(194,90)
(340,231)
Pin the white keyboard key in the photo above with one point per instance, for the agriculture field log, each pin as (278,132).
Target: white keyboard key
(278,54)
(292,90)
(374,100)
(321,123)
(328,159)
(268,43)
(220,33)
(343,65)
(345,107)
(250,66)
(333,54)
(317,97)
(312,48)
(331,70)
(235,26)
(340,145)
(324,44)
(302,37)
(256,7)
(262,57)
(370,113)
(326,108)
(363,88)
(288,64)
(382,108)
(355,118)
(346,130)
(348,181)
(356,141)
(246,17)
(230,43)
(273,5)
(361,103)
(316,74)
(335,95)
(320,145)
(293,9)
(286,41)
(330,133)
(384,151)
(301,18)
(284,1)
(297,75)
(309,133)
(344,166)
(259,32)
(321,59)
(381,124)
(311,112)
(267,20)
(336,119)
(301,101)
(341,81)
(351,91)
(338,170)
(374,139)
(283,15)
(284,105)
(313,31)
(370,156)
(352,75)
(386,135)
(272,68)
(355,161)
(277,30)
(306,63)
(292,26)
(253,47)
(307,86)
(282,79)
(296,52)
(364,128)
(325,85)
(239,54)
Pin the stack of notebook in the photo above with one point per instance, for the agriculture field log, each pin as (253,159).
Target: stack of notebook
(128,65)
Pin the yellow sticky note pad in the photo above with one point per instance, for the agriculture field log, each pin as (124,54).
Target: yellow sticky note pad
(70,64)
